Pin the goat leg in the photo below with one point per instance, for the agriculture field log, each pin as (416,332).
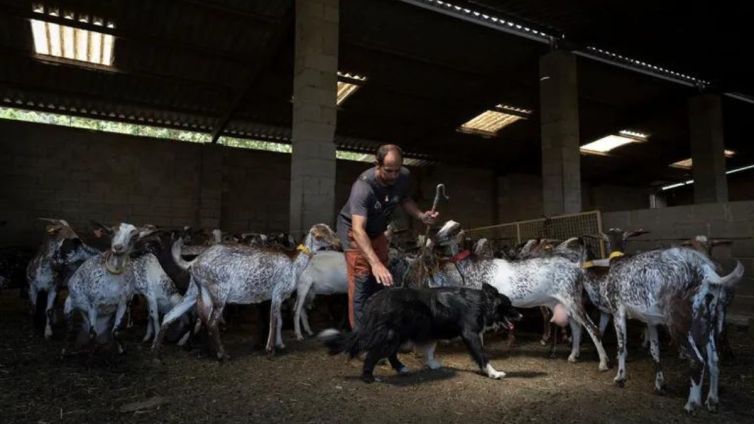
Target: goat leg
(654,349)
(49,310)
(118,323)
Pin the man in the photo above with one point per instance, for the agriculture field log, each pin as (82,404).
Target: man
(362,223)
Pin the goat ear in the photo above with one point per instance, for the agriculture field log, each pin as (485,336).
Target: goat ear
(148,230)
(101,228)
(629,234)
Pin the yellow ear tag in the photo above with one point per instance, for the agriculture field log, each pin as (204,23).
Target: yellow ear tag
(303,249)
(587,265)
(615,254)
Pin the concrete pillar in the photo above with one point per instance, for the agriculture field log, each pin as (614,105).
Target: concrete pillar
(314,115)
(561,159)
(209,201)
(707,149)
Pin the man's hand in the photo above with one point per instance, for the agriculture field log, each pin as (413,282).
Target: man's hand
(429,217)
(382,274)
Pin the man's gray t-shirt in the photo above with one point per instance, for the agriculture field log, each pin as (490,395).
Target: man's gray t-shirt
(370,198)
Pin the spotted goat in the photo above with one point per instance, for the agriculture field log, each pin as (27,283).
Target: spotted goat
(46,272)
(553,281)
(103,285)
(240,274)
(678,288)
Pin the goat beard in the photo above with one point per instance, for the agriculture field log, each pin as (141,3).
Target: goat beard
(115,264)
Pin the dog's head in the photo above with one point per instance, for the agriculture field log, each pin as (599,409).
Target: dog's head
(500,310)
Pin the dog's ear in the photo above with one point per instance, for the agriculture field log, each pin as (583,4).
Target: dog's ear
(489,290)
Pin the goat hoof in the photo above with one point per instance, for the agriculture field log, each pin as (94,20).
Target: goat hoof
(661,391)
(604,366)
(711,406)
(368,378)
(620,383)
(573,358)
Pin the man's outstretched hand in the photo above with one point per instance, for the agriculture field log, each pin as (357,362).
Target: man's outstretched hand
(429,217)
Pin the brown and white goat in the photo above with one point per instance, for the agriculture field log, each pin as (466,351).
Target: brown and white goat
(45,270)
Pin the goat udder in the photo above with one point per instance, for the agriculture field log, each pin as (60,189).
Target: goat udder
(559,315)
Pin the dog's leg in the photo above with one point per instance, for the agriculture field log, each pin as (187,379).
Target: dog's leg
(367,373)
(429,357)
(397,365)
(474,344)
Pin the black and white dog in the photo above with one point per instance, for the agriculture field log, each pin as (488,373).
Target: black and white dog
(396,316)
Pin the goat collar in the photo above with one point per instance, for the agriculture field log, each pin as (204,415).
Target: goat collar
(458,257)
(305,250)
(110,268)
(615,254)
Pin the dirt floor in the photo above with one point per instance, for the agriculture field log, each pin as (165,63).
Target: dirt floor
(304,384)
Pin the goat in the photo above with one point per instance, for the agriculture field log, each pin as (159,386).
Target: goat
(595,271)
(245,275)
(552,281)
(42,271)
(678,288)
(325,275)
(705,246)
(104,284)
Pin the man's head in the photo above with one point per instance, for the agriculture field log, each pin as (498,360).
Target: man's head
(389,161)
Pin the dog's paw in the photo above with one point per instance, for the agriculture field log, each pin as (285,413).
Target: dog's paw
(434,365)
(497,375)
(493,373)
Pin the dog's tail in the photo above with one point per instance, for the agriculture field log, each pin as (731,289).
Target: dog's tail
(338,342)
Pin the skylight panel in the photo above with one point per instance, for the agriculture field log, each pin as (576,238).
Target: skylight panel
(613,141)
(347,85)
(66,42)
(490,122)
(689,163)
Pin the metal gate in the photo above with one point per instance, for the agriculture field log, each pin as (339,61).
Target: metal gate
(559,227)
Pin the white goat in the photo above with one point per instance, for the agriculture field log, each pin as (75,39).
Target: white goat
(104,284)
(552,281)
(245,275)
(325,275)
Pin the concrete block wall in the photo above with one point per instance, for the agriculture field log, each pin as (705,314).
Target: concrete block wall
(78,175)
(668,226)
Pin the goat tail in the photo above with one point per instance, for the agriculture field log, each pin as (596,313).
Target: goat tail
(175,250)
(731,279)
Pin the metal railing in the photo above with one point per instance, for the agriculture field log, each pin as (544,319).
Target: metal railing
(559,227)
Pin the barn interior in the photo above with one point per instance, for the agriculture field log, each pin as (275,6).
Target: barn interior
(258,116)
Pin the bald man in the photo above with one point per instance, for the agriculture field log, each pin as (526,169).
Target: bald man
(362,223)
